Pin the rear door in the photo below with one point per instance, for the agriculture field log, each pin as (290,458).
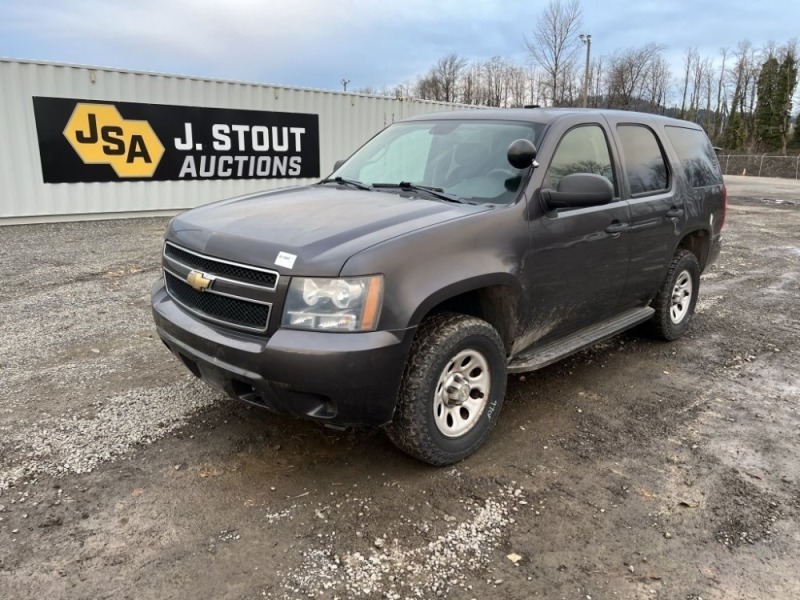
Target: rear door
(577,264)
(657,212)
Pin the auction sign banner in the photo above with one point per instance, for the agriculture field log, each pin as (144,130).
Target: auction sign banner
(96,141)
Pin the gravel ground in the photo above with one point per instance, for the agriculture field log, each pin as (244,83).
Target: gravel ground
(780,191)
(77,333)
(636,469)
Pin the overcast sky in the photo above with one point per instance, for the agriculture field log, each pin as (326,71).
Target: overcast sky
(375,43)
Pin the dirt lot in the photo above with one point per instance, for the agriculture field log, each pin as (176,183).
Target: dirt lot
(637,469)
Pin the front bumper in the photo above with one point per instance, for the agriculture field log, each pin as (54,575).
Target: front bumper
(341,379)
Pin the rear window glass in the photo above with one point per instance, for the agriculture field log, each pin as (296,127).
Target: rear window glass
(644,162)
(698,160)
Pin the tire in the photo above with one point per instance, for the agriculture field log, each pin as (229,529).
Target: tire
(452,389)
(675,301)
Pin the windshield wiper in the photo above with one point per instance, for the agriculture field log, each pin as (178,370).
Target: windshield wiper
(426,189)
(350,182)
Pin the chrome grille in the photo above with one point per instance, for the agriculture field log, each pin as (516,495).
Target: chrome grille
(238,296)
(225,268)
(223,309)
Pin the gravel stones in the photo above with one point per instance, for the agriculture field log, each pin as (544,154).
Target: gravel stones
(71,444)
(76,332)
(394,570)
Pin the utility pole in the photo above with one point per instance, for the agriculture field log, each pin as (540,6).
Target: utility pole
(344,83)
(587,40)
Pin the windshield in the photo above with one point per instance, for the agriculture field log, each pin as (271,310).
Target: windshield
(467,159)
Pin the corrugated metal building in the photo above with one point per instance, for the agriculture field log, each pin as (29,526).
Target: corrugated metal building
(35,146)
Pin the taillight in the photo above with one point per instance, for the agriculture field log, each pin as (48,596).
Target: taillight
(724,206)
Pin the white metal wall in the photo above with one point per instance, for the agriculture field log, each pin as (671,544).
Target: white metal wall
(346,121)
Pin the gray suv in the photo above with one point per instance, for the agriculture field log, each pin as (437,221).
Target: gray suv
(447,252)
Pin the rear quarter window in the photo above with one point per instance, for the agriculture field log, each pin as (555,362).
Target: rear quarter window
(697,156)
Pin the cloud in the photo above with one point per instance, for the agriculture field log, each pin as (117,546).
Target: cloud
(316,43)
(279,38)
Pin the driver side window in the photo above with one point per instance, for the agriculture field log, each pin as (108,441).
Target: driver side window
(581,150)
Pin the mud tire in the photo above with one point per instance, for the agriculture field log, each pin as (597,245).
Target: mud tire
(438,340)
(672,317)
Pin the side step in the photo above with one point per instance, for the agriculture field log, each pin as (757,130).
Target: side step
(550,352)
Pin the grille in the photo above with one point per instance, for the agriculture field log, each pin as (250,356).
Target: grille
(231,311)
(224,269)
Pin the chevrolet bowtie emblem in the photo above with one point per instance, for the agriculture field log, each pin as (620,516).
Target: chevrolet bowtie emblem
(199,281)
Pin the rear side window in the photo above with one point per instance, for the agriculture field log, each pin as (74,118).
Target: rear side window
(698,160)
(644,160)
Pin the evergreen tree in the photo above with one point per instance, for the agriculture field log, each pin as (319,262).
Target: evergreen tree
(794,140)
(768,109)
(735,134)
(787,82)
(776,85)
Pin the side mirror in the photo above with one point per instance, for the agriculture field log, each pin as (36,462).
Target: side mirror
(578,190)
(338,164)
(521,153)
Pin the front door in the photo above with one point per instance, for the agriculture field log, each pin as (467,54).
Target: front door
(577,264)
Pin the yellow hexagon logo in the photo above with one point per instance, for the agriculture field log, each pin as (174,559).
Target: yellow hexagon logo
(100,136)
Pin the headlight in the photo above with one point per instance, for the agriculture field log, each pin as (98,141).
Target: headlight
(343,304)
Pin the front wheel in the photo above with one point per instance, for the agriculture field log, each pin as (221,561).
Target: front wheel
(452,389)
(677,297)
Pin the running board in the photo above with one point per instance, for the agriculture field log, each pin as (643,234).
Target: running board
(550,352)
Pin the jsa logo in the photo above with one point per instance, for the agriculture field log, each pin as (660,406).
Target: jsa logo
(100,135)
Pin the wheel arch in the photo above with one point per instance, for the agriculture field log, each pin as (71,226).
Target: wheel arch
(698,242)
(495,299)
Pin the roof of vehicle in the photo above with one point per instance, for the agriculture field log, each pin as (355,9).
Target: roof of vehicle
(546,115)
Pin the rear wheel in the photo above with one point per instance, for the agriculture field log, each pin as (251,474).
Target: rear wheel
(677,297)
(452,390)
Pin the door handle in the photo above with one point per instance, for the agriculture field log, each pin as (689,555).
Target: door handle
(674,212)
(617,227)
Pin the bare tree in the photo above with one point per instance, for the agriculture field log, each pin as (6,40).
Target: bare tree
(536,91)
(518,85)
(698,74)
(470,86)
(740,126)
(554,42)
(441,82)
(403,90)
(571,81)
(629,74)
(496,79)
(657,83)
(448,72)
(708,91)
(720,93)
(690,56)
(751,92)
(596,79)
(719,113)
(428,88)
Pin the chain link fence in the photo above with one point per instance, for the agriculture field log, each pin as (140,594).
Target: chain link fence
(760,165)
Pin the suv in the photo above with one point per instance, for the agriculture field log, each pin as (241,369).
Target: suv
(447,252)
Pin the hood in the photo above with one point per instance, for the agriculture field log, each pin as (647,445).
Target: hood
(320,226)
